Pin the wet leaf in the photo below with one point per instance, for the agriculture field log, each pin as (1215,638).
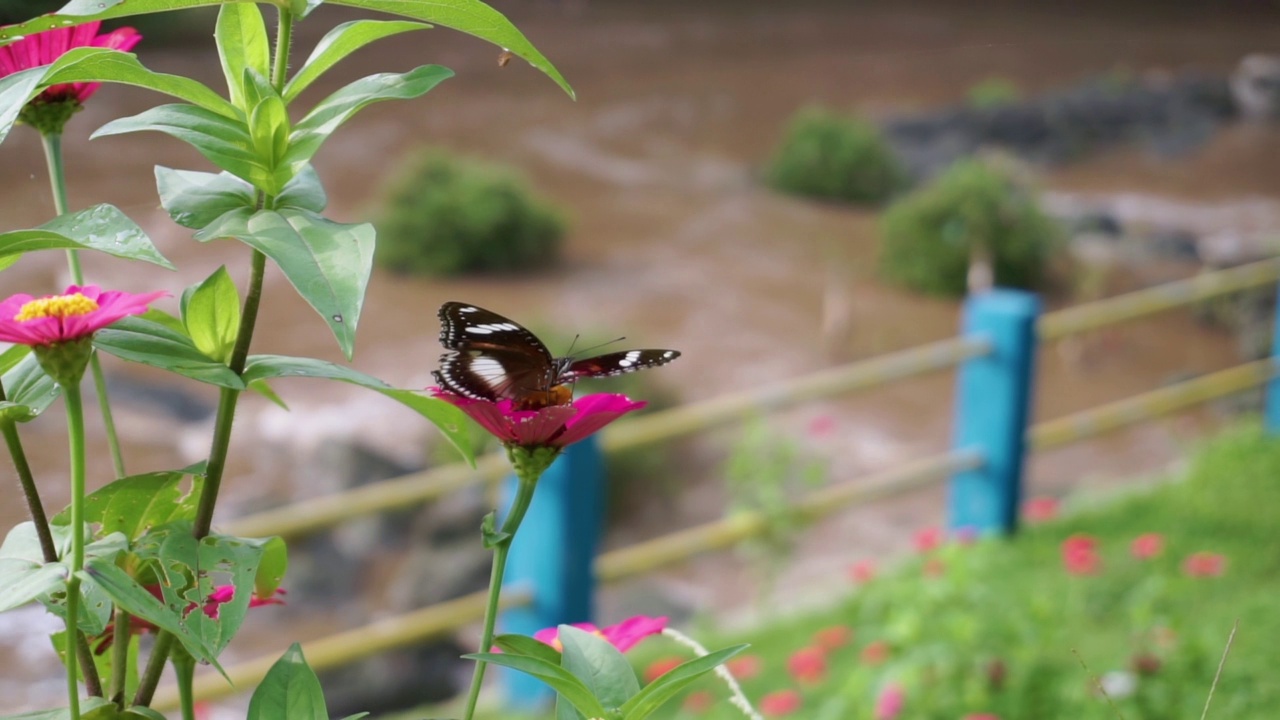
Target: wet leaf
(103,228)
(151,343)
(28,386)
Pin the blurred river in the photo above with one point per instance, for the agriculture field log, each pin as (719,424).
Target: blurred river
(673,241)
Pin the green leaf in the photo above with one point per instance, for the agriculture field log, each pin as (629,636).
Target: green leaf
(560,680)
(262,388)
(223,141)
(28,386)
(94,64)
(15,91)
(22,581)
(303,192)
(290,689)
(138,712)
(136,600)
(599,665)
(151,343)
(103,228)
(241,36)
(328,263)
(525,645)
(658,692)
(269,129)
(135,504)
(271,568)
(329,114)
(212,315)
(22,543)
(195,199)
(340,42)
(91,708)
(104,661)
(449,419)
(469,16)
(10,358)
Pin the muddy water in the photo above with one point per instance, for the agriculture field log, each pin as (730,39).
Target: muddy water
(674,243)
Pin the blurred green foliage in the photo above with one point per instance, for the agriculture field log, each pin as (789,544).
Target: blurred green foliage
(993,92)
(928,238)
(829,156)
(449,216)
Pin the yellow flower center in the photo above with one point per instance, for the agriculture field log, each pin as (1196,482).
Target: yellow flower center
(59,306)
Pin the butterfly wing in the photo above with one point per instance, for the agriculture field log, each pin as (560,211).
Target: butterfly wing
(490,357)
(616,363)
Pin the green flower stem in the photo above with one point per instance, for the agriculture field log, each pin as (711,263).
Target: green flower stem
(155,668)
(528,474)
(75,434)
(185,668)
(29,490)
(120,655)
(58,184)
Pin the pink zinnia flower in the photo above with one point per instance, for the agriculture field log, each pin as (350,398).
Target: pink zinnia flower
(1204,564)
(933,567)
(552,426)
(43,48)
(927,539)
(780,703)
(661,667)
(875,652)
(808,665)
(834,637)
(624,636)
(890,701)
(863,571)
(1080,555)
(1040,509)
(77,313)
(1147,546)
(745,667)
(698,702)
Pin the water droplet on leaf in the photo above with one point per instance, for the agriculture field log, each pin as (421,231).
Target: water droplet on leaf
(337,318)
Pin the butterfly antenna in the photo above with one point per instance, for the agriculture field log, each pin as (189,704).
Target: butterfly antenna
(569,353)
(595,347)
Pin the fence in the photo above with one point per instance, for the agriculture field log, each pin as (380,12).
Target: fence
(1001,332)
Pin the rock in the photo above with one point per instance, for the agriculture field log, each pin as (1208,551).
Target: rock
(1255,87)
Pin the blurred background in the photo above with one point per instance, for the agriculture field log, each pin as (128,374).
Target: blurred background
(771,188)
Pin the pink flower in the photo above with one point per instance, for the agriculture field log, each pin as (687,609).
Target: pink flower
(863,571)
(927,539)
(1147,546)
(43,48)
(1040,509)
(661,667)
(780,703)
(224,594)
(822,426)
(1204,564)
(808,665)
(834,637)
(875,652)
(221,594)
(1080,555)
(77,313)
(552,426)
(933,567)
(624,636)
(745,667)
(698,702)
(981,716)
(889,702)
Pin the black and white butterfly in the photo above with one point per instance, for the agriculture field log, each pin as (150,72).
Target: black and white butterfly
(494,358)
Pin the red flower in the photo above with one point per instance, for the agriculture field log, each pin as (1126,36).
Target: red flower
(822,426)
(77,313)
(927,539)
(624,636)
(890,701)
(43,48)
(745,667)
(780,702)
(698,702)
(863,571)
(1040,509)
(553,426)
(661,667)
(1147,546)
(933,567)
(834,637)
(1080,555)
(808,665)
(875,652)
(1204,564)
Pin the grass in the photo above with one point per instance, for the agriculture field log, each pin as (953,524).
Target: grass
(1001,629)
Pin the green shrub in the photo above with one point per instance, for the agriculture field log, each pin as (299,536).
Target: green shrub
(830,156)
(993,92)
(446,216)
(927,237)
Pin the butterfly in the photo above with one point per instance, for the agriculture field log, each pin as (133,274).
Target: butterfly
(493,358)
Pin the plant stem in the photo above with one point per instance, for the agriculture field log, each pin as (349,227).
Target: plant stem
(75,435)
(29,490)
(155,668)
(185,668)
(120,655)
(58,184)
(519,506)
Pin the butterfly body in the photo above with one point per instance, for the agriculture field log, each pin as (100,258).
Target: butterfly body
(491,357)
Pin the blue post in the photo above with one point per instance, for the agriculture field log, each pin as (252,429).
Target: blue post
(993,407)
(1271,414)
(553,555)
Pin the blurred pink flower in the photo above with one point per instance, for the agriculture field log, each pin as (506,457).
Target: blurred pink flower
(1147,546)
(833,637)
(220,595)
(876,652)
(1080,555)
(1204,564)
(624,636)
(890,701)
(822,426)
(808,665)
(76,313)
(927,539)
(863,571)
(934,568)
(698,702)
(981,716)
(780,703)
(43,48)
(745,667)
(1040,509)
(552,426)
(661,666)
